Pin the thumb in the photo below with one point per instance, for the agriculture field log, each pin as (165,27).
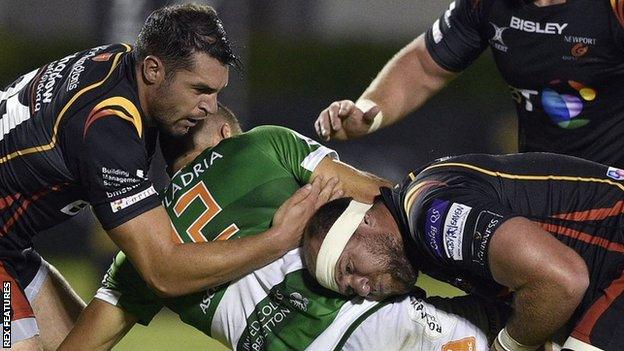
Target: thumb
(369,115)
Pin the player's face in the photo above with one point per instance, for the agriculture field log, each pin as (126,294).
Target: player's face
(373,264)
(189,96)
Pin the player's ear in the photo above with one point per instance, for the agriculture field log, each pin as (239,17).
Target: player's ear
(226,131)
(153,70)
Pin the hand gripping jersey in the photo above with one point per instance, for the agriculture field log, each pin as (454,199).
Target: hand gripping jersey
(451,209)
(233,190)
(564,65)
(71,133)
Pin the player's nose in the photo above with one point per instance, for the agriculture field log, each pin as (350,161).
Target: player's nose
(360,285)
(209,105)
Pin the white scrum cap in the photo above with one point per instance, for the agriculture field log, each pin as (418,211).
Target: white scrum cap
(335,241)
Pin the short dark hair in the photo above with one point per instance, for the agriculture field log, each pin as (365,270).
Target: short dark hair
(176,146)
(173,33)
(229,116)
(318,226)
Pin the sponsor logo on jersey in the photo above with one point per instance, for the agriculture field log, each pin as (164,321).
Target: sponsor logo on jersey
(52,74)
(125,202)
(78,68)
(497,38)
(204,305)
(433,225)
(579,48)
(537,27)
(432,324)
(454,230)
(74,208)
(615,173)
(299,301)
(267,318)
(563,101)
(465,344)
(122,181)
(485,226)
(103,57)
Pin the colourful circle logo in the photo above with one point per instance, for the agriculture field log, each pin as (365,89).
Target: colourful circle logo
(564,101)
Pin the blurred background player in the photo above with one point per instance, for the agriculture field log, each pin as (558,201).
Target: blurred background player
(232,190)
(562,59)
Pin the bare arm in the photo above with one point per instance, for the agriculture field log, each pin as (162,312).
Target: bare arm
(99,327)
(548,277)
(360,185)
(173,269)
(406,82)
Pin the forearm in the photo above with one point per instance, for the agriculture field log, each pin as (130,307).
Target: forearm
(100,327)
(548,278)
(192,267)
(360,185)
(540,310)
(407,81)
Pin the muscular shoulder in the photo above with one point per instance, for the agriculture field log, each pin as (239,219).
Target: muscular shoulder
(106,89)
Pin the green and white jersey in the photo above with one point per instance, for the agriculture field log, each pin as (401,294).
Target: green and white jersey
(233,190)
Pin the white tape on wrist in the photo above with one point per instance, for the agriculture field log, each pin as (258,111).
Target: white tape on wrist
(578,345)
(335,241)
(365,105)
(509,344)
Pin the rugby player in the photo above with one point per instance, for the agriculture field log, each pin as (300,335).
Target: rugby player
(562,59)
(548,227)
(230,191)
(82,130)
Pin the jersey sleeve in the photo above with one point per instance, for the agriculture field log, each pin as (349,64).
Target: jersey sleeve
(298,154)
(113,169)
(454,41)
(123,287)
(455,223)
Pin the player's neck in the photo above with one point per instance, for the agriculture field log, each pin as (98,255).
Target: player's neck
(182,161)
(544,3)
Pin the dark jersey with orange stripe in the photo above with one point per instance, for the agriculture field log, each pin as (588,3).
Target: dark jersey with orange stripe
(72,133)
(451,209)
(564,65)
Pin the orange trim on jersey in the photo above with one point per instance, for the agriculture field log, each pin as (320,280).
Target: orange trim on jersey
(528,177)
(593,214)
(227,232)
(24,206)
(583,329)
(618,10)
(110,107)
(52,144)
(582,236)
(19,303)
(410,197)
(8,200)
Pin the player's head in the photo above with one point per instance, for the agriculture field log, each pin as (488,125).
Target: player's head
(354,248)
(183,57)
(208,133)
